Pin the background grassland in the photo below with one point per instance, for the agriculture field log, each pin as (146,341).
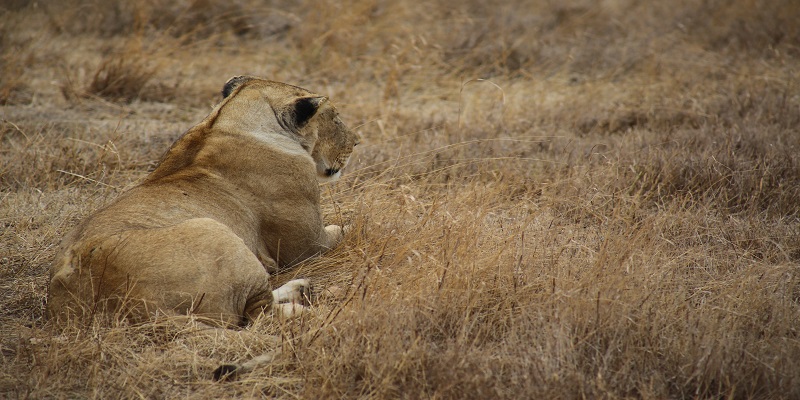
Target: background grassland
(553,199)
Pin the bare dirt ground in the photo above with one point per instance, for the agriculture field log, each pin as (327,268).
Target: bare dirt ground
(553,199)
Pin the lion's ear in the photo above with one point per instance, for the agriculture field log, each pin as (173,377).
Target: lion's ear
(305,108)
(233,83)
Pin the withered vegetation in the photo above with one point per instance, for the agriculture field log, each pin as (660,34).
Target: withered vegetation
(553,199)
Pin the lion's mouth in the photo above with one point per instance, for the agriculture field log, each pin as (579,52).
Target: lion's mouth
(331,171)
(328,174)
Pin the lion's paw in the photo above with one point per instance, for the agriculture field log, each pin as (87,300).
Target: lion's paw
(295,291)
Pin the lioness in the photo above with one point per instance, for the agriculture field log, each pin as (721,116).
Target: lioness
(233,199)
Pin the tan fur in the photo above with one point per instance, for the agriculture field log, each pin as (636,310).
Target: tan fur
(234,198)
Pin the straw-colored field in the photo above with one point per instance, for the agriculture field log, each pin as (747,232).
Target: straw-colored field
(552,199)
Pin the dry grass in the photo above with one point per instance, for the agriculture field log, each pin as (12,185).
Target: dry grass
(611,213)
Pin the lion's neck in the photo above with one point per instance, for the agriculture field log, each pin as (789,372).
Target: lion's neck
(247,120)
(250,121)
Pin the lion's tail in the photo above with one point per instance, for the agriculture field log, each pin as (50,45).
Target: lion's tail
(228,372)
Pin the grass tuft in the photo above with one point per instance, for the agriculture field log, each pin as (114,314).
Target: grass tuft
(118,78)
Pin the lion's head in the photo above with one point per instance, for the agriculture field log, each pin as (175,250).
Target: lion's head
(309,118)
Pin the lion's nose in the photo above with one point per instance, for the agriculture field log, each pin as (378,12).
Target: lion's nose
(331,171)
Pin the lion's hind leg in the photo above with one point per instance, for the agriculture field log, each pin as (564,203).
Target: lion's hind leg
(198,267)
(287,302)
(294,291)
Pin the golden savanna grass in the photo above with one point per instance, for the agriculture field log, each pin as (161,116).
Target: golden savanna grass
(553,199)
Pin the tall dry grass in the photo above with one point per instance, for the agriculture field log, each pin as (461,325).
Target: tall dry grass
(552,199)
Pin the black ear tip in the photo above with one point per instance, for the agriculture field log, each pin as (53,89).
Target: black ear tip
(225,372)
(233,83)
